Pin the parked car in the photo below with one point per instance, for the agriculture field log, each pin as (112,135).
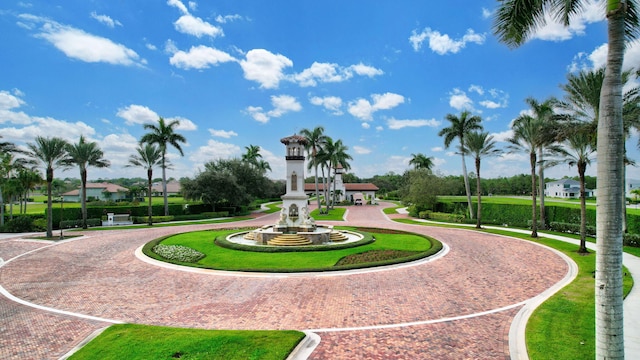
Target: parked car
(358,202)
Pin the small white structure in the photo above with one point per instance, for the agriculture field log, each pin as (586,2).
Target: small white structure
(99,191)
(566,189)
(345,191)
(629,186)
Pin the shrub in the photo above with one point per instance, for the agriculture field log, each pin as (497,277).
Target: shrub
(19,224)
(178,253)
(631,240)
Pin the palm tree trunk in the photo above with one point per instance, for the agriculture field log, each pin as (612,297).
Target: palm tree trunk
(49,206)
(534,218)
(150,208)
(479,192)
(610,149)
(543,218)
(1,208)
(315,166)
(83,198)
(164,188)
(583,210)
(466,187)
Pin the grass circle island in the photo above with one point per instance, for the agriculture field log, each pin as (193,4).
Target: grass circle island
(210,249)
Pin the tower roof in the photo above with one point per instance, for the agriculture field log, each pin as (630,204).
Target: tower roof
(294,139)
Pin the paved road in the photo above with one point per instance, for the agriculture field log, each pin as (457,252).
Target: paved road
(459,306)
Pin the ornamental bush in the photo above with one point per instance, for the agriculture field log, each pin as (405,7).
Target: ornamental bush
(178,253)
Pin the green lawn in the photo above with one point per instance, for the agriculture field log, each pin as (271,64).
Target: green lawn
(140,342)
(335,214)
(228,259)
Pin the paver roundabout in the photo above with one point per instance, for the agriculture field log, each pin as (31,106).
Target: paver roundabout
(460,305)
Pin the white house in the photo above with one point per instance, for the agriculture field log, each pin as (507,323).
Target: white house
(565,188)
(346,191)
(100,191)
(631,185)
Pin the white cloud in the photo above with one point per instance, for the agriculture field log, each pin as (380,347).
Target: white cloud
(329,72)
(9,101)
(137,114)
(77,44)
(365,70)
(170,47)
(361,150)
(322,72)
(331,103)
(282,104)
(364,110)
(553,30)
(104,19)
(193,5)
(185,124)
(490,104)
(486,13)
(395,124)
(199,57)
(179,5)
(222,133)
(443,44)
(503,136)
(228,18)
(477,89)
(191,25)
(46,126)
(437,149)
(214,150)
(265,67)
(459,100)
(365,125)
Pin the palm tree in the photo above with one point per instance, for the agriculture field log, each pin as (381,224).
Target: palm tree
(421,161)
(479,145)
(579,149)
(148,157)
(315,141)
(51,153)
(515,21)
(337,155)
(85,154)
(164,135)
(526,138)
(544,111)
(252,155)
(459,128)
(582,100)
(28,179)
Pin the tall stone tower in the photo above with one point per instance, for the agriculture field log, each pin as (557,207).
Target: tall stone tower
(295,213)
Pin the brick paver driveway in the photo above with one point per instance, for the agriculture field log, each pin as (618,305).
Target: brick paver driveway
(459,306)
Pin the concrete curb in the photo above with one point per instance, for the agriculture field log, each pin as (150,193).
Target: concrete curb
(305,348)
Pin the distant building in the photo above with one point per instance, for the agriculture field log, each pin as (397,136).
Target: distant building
(566,189)
(98,191)
(629,186)
(348,191)
(173,188)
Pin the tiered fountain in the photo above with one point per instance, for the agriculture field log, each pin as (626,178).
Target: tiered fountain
(295,226)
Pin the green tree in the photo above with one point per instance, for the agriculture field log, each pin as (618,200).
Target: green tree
(459,127)
(315,141)
(545,113)
(421,161)
(582,100)
(578,152)
(147,156)
(479,145)
(334,155)
(51,154)
(527,132)
(515,21)
(28,179)
(85,154)
(164,135)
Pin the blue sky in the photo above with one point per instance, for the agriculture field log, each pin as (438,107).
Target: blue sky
(381,76)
